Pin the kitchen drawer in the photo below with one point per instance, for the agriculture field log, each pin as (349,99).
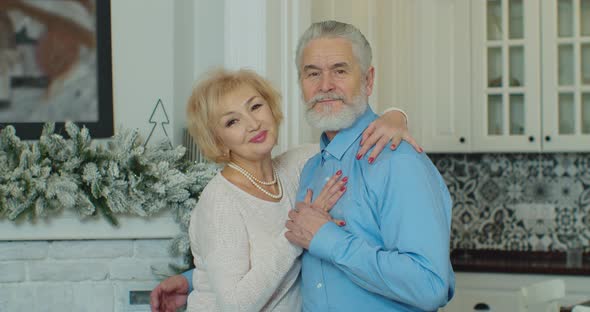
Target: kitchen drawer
(466,299)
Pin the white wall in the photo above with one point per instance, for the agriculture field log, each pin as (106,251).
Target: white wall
(199,45)
(143,68)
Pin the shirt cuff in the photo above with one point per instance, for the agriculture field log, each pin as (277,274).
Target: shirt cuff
(189,277)
(325,240)
(397,109)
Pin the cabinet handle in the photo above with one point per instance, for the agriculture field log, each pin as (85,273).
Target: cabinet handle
(481,307)
(462,139)
(531,139)
(547,138)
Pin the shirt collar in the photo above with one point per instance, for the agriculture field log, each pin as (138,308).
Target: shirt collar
(346,137)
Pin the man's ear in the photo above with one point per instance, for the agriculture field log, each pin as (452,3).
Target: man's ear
(370,79)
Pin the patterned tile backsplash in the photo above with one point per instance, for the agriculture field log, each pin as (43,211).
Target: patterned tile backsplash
(538,202)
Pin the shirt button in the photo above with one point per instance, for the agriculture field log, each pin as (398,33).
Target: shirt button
(319,285)
(327,179)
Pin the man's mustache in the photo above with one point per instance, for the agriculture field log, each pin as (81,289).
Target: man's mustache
(323,97)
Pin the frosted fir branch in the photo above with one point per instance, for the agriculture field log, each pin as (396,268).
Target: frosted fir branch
(75,173)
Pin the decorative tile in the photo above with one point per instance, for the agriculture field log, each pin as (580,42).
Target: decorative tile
(491,195)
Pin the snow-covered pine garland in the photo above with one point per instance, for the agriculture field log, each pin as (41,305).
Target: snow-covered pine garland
(118,177)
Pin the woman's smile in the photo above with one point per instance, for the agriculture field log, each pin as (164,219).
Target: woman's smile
(260,137)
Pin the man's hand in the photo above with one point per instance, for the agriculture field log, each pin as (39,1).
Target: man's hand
(304,223)
(170,294)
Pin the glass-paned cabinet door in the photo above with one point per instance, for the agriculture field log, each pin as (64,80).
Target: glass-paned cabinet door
(505,71)
(566,74)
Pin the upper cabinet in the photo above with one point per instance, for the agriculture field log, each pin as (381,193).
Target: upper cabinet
(525,66)
(444,76)
(506,97)
(565,29)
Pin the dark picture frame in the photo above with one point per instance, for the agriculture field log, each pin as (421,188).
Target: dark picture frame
(102,126)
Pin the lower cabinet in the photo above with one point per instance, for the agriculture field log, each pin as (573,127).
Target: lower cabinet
(499,292)
(469,300)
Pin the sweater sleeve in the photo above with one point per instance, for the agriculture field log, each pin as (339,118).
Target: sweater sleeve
(220,236)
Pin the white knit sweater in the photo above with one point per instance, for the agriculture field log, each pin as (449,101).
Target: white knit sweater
(243,261)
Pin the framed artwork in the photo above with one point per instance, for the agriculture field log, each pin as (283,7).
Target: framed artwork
(55,65)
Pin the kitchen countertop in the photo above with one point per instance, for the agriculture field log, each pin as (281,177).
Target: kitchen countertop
(532,262)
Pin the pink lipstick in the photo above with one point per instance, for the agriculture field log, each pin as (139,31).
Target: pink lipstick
(260,137)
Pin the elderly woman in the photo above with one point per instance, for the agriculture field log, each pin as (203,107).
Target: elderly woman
(243,261)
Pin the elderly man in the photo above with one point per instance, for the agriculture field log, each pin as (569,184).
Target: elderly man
(393,252)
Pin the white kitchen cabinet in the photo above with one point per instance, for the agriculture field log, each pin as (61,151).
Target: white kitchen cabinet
(445,80)
(566,75)
(505,75)
(506,103)
(467,299)
(499,290)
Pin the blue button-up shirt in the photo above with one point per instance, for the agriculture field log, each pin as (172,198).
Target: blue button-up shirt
(393,253)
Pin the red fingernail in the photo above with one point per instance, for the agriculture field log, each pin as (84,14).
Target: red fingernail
(358,156)
(344,179)
(339,172)
(342,223)
(421,150)
(392,145)
(342,189)
(371,160)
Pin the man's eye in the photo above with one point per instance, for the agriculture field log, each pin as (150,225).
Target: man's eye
(313,74)
(341,71)
(230,123)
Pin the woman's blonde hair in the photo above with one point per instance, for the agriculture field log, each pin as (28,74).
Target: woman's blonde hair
(201,107)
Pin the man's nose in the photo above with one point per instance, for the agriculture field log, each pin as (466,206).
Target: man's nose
(326,83)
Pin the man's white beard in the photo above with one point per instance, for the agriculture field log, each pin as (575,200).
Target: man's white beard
(327,120)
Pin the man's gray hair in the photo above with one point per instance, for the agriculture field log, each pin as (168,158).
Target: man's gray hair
(334,29)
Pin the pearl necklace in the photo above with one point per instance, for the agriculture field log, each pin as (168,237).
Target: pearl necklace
(257,183)
(247,173)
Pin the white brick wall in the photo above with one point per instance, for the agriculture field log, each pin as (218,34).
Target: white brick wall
(87,275)
(23,251)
